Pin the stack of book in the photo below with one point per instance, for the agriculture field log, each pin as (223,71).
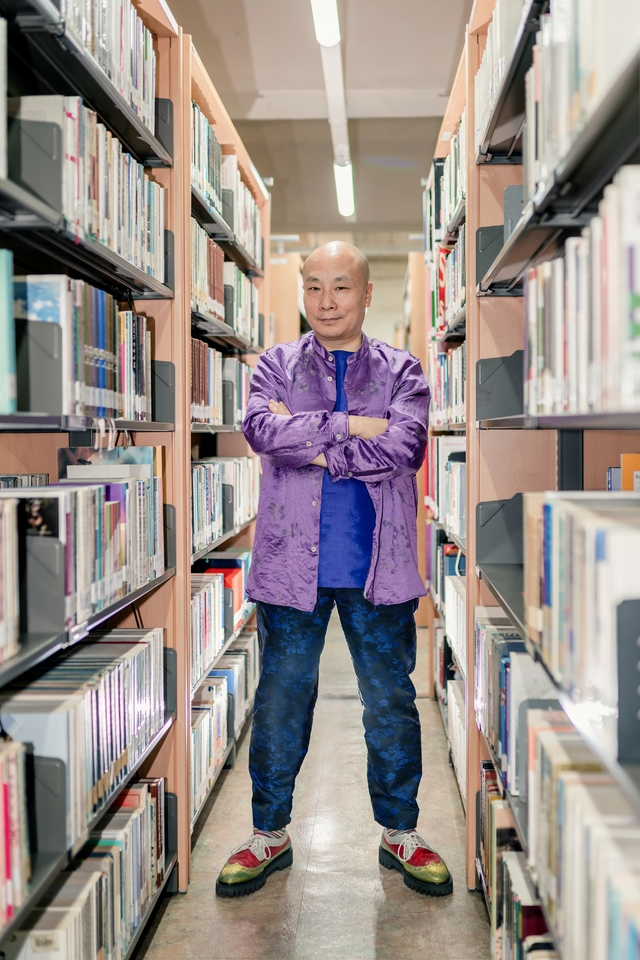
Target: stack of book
(247,225)
(445,477)
(116,38)
(9,580)
(95,906)
(505,678)
(207,273)
(14,835)
(209,737)
(103,193)
(501,35)
(207,621)
(236,382)
(583,338)
(10,480)
(106,352)
(225,492)
(454,288)
(571,541)
(71,711)
(239,668)
(454,173)
(206,159)
(108,515)
(455,616)
(444,559)
(233,565)
(523,924)
(457,731)
(574,67)
(447,376)
(207,520)
(206,383)
(246,309)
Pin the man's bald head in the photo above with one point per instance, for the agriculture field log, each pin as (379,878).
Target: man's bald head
(337,292)
(338,252)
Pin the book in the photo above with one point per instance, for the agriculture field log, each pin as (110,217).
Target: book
(9,580)
(8,383)
(522,915)
(630,471)
(242,310)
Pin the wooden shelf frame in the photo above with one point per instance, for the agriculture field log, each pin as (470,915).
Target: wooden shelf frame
(28,443)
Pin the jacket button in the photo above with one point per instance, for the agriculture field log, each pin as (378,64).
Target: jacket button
(314,503)
(338,436)
(329,379)
(350,473)
(308,443)
(331,358)
(313,549)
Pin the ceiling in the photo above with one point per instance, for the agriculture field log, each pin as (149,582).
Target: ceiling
(399,63)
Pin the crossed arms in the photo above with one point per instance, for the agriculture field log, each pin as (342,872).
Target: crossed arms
(368,448)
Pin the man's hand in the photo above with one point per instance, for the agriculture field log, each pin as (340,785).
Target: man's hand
(319,461)
(367,427)
(279,408)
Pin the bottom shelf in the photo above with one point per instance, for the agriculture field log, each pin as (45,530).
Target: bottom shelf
(149,911)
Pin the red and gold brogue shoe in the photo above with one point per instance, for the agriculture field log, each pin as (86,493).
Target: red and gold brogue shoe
(248,867)
(423,869)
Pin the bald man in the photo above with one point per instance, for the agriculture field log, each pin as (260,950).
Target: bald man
(340,423)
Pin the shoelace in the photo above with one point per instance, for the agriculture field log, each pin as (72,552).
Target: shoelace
(258,847)
(409,845)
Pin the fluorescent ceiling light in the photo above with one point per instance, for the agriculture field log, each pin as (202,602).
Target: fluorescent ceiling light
(326,22)
(343,174)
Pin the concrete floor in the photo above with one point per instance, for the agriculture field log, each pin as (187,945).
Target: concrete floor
(336,902)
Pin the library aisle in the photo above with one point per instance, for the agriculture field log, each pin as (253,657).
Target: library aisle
(336,901)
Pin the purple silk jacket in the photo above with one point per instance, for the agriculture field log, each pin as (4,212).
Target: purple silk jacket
(380,382)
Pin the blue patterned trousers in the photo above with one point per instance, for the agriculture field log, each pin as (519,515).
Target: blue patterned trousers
(382,644)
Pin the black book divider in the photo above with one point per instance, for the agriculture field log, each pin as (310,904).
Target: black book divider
(628,642)
(499,531)
(500,387)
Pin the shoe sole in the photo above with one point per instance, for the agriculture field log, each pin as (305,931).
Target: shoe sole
(280,862)
(420,886)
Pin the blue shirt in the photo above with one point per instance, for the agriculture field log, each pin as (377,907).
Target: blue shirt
(347,516)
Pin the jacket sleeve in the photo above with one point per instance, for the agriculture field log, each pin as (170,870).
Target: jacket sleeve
(287,441)
(400,450)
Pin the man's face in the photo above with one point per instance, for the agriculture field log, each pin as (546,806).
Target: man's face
(335,297)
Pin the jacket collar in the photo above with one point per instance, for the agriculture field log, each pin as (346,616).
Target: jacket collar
(362,353)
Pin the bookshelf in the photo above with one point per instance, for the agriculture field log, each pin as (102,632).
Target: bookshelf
(511,449)
(42,44)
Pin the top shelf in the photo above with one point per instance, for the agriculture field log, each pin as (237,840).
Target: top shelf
(565,205)
(39,38)
(502,139)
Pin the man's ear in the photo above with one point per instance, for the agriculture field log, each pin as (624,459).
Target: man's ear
(368,293)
